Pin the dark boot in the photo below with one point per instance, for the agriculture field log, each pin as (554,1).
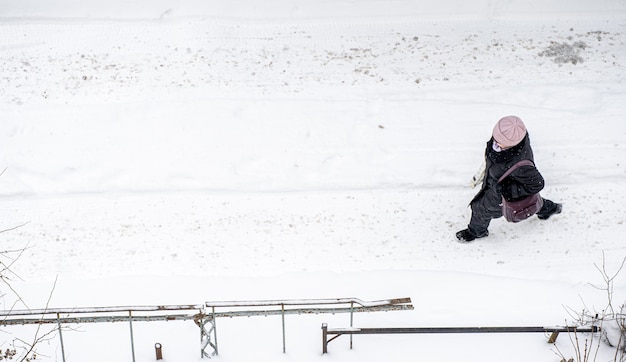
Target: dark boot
(465,236)
(549,208)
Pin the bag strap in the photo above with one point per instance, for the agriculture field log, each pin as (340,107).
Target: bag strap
(515,167)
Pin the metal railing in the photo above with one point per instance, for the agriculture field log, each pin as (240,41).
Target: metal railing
(286,307)
(337,332)
(204,315)
(128,314)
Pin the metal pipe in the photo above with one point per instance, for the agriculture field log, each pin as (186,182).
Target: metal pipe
(283,316)
(132,338)
(61,337)
(436,330)
(10,320)
(299,302)
(351,320)
(91,310)
(214,322)
(427,330)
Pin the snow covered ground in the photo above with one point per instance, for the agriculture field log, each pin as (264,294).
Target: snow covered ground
(176,152)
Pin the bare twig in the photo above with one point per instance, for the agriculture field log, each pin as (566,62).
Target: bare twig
(588,350)
(6,269)
(608,281)
(13,261)
(14,228)
(37,338)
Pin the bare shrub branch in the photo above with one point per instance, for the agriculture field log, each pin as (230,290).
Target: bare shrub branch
(607,320)
(30,347)
(15,227)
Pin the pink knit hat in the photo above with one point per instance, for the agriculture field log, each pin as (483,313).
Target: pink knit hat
(509,131)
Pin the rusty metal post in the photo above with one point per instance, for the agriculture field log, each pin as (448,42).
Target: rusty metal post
(324,338)
(157,350)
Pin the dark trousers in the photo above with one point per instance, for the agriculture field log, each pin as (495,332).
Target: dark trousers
(488,207)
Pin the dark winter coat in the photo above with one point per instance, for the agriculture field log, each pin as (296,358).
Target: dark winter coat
(524,181)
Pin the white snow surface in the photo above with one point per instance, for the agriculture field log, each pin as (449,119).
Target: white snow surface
(177,152)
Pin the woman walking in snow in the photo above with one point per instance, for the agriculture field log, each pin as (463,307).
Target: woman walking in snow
(509,145)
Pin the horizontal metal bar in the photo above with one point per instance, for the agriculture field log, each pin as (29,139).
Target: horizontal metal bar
(246,313)
(350,331)
(341,331)
(101,309)
(97,319)
(233,304)
(294,302)
(251,313)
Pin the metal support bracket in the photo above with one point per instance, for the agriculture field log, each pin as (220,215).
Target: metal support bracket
(208,335)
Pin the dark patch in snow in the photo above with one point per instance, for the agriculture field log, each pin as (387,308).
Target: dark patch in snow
(565,53)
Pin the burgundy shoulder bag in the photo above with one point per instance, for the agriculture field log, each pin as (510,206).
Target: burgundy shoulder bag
(518,210)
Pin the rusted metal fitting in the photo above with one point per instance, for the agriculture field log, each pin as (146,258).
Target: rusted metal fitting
(157,349)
